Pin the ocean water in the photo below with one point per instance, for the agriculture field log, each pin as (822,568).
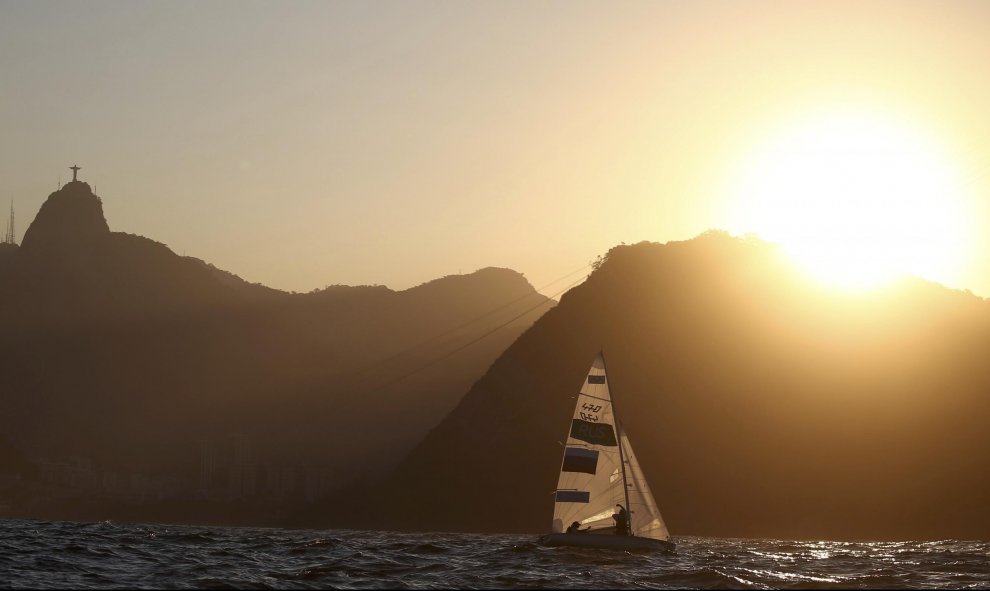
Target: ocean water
(45,554)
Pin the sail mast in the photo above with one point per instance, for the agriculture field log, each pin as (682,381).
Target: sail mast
(618,432)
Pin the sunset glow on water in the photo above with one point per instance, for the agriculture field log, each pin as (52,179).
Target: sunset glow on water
(53,555)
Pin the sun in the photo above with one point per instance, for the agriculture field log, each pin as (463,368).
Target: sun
(856,197)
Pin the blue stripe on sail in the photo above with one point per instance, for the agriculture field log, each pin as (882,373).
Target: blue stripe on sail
(593,433)
(573,496)
(596,379)
(578,459)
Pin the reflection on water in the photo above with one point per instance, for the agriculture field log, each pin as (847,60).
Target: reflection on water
(40,554)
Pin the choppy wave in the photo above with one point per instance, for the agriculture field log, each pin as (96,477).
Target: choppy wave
(39,554)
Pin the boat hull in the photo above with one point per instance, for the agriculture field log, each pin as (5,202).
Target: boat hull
(610,542)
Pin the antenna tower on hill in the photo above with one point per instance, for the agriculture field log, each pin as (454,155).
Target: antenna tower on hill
(9,237)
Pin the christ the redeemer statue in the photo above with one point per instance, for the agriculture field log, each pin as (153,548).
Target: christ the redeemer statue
(74,170)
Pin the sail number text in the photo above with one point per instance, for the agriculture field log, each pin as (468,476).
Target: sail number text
(589,412)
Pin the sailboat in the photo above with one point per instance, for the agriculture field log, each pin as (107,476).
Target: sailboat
(602,498)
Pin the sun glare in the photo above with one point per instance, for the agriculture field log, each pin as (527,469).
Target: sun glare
(856,198)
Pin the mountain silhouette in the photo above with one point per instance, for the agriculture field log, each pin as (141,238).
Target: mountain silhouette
(71,218)
(71,269)
(123,353)
(759,403)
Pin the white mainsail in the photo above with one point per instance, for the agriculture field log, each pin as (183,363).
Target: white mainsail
(593,478)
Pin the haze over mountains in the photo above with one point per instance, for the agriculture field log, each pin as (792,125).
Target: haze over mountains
(759,404)
(140,361)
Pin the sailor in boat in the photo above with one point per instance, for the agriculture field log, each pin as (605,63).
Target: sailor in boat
(575,528)
(621,517)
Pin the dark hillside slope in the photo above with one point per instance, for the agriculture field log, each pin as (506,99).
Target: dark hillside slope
(121,355)
(759,404)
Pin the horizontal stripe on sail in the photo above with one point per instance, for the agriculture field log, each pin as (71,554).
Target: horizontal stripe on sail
(573,496)
(577,459)
(596,379)
(593,433)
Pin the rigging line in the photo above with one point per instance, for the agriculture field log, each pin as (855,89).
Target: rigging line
(420,343)
(449,354)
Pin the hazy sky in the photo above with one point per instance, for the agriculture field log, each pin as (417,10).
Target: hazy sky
(301,144)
